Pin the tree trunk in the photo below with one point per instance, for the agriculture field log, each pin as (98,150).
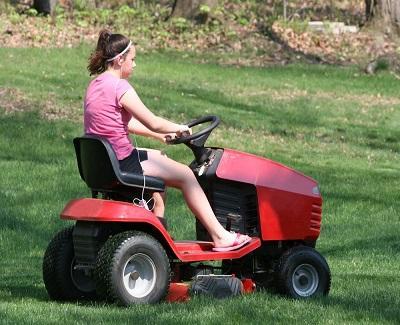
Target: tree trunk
(384,14)
(44,6)
(191,9)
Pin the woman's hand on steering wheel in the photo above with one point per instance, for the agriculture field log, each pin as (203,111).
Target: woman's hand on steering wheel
(188,138)
(185,131)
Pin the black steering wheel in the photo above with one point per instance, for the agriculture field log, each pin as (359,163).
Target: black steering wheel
(202,133)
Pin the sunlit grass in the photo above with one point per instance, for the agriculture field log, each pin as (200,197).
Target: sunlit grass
(334,124)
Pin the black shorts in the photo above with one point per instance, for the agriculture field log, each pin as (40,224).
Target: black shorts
(131,163)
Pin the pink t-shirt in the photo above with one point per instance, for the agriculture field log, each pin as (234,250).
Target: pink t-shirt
(104,114)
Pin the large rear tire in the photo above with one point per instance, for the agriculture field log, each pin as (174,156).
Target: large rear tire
(132,267)
(303,273)
(61,279)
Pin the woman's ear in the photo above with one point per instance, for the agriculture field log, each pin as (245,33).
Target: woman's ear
(118,61)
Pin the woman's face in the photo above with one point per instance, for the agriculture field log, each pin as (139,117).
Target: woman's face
(128,64)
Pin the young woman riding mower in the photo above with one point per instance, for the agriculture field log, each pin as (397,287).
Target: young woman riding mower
(112,109)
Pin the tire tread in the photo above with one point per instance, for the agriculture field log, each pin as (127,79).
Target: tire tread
(283,268)
(107,257)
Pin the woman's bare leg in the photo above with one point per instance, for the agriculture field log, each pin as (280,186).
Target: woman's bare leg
(159,204)
(180,176)
(158,197)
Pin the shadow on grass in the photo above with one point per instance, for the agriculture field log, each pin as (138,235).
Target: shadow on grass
(356,184)
(387,245)
(24,228)
(16,292)
(298,113)
(45,143)
(373,298)
(372,199)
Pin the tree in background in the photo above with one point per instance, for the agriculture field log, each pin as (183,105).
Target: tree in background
(196,10)
(384,14)
(44,6)
(47,6)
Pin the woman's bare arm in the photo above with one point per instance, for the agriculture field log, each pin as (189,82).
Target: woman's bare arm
(133,104)
(137,127)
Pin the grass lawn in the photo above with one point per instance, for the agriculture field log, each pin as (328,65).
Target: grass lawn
(334,124)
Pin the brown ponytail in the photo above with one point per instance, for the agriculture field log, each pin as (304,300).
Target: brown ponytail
(108,46)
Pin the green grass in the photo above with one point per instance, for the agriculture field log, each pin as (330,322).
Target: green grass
(338,126)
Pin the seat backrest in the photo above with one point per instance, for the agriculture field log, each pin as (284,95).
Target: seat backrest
(97,162)
(99,168)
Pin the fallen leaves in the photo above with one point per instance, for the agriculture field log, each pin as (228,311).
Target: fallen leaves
(342,48)
(42,32)
(226,39)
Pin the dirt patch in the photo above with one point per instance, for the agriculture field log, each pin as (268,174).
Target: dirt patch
(14,100)
(287,94)
(364,100)
(50,109)
(278,95)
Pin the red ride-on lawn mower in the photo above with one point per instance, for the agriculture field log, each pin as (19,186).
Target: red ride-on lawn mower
(122,252)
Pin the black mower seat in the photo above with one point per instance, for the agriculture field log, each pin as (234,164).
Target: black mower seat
(99,168)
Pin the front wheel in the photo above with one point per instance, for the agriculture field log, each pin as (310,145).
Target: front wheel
(132,267)
(303,273)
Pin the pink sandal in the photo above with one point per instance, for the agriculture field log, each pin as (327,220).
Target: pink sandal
(234,246)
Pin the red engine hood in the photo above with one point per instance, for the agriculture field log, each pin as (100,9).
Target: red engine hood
(290,206)
(251,169)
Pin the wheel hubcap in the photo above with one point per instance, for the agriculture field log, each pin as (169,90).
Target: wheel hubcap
(139,275)
(305,280)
